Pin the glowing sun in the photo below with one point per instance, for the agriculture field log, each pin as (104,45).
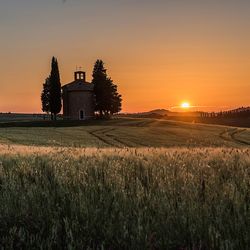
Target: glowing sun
(185,105)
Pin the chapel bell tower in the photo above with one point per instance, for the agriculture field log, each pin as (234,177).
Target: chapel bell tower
(80,75)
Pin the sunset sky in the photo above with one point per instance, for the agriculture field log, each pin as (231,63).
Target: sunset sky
(159,52)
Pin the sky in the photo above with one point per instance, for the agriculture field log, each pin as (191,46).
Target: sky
(160,53)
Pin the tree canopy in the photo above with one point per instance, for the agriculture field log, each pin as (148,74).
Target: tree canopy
(107,99)
(45,96)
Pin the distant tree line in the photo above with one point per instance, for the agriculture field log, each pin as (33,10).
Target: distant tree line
(236,113)
(107,99)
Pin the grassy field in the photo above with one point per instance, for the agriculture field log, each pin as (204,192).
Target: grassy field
(124,133)
(124,184)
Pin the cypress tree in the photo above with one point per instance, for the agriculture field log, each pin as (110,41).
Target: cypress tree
(55,102)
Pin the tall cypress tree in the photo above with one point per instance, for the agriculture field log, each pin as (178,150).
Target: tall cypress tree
(107,99)
(55,102)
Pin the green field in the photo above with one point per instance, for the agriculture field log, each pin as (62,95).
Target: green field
(126,133)
(124,184)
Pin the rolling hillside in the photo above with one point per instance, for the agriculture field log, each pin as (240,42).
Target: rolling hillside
(123,132)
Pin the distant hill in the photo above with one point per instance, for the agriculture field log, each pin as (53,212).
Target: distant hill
(239,117)
(162,112)
(156,113)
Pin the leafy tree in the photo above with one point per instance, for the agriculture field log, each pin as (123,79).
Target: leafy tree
(99,80)
(45,96)
(116,99)
(55,103)
(107,99)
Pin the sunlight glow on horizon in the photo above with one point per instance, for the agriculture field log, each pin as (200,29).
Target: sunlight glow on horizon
(185,105)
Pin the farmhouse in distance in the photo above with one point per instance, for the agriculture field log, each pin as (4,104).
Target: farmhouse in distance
(78,98)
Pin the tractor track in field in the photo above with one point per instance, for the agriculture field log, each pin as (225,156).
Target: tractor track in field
(125,144)
(225,135)
(103,134)
(237,139)
(100,135)
(110,139)
(230,136)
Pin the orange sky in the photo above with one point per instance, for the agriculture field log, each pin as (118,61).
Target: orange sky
(160,53)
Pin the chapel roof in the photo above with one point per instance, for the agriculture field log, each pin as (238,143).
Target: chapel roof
(78,85)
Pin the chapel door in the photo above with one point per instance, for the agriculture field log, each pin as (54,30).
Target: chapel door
(81,115)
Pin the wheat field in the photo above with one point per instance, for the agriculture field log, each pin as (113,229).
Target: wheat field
(124,198)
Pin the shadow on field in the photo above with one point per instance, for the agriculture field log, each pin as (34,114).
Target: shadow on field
(77,123)
(59,123)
